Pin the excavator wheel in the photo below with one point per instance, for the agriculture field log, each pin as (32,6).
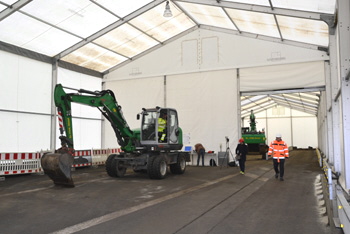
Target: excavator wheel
(58,168)
(180,166)
(114,167)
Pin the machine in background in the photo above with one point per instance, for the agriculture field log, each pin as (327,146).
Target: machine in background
(256,140)
(143,149)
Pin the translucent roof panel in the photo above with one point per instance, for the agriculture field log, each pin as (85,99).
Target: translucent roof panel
(297,96)
(208,15)
(254,22)
(308,31)
(162,28)
(80,17)
(94,57)
(2,7)
(126,40)
(307,102)
(123,8)
(9,2)
(322,6)
(255,2)
(31,34)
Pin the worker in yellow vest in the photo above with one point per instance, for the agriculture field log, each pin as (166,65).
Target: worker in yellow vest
(162,122)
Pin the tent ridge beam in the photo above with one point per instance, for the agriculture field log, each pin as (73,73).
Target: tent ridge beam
(261,9)
(296,90)
(13,8)
(264,38)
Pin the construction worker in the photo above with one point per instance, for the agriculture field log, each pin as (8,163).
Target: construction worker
(278,150)
(162,121)
(241,154)
(199,148)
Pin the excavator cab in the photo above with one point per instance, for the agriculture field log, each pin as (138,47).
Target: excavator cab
(160,129)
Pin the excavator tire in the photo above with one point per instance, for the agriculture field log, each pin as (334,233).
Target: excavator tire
(58,168)
(150,167)
(114,167)
(159,168)
(180,166)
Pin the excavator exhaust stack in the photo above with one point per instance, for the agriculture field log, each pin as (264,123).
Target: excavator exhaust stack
(58,167)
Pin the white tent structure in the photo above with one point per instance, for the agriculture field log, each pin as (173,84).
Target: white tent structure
(212,60)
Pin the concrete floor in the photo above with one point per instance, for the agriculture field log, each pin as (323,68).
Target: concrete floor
(203,200)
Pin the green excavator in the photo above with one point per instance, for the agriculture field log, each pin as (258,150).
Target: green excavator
(152,148)
(256,140)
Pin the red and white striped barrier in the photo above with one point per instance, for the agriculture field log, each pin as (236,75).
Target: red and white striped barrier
(99,156)
(19,163)
(82,158)
(24,163)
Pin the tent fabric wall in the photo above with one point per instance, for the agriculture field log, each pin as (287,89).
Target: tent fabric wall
(26,104)
(206,103)
(297,128)
(287,76)
(132,96)
(206,50)
(25,111)
(207,106)
(87,121)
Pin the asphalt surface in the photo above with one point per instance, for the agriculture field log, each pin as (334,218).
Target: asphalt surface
(203,200)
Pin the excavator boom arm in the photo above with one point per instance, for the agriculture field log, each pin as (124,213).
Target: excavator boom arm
(103,100)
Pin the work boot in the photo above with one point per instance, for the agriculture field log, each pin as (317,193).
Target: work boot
(281,179)
(276,175)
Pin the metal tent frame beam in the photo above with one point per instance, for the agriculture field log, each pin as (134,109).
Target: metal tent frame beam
(261,9)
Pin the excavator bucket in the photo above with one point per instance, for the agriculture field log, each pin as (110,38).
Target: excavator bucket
(58,167)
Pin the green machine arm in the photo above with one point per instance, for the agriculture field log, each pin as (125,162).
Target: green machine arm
(252,122)
(103,100)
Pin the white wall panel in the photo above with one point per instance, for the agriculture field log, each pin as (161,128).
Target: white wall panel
(300,75)
(25,83)
(279,125)
(305,132)
(25,86)
(207,105)
(298,127)
(24,132)
(132,96)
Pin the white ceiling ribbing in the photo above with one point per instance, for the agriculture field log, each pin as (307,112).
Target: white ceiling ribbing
(76,27)
(103,35)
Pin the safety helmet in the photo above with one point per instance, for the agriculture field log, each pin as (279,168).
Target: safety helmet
(278,135)
(241,140)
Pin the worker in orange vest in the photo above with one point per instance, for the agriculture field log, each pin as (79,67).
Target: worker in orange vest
(278,150)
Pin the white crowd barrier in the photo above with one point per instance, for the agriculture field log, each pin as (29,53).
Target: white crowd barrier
(19,163)
(25,163)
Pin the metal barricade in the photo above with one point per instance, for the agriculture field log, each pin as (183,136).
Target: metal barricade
(19,163)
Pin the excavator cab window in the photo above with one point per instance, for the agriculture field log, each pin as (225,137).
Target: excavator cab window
(149,125)
(152,126)
(173,127)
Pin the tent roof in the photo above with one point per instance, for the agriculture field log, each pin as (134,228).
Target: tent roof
(102,35)
(302,100)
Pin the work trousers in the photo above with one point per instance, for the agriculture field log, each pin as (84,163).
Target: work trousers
(201,154)
(279,170)
(242,162)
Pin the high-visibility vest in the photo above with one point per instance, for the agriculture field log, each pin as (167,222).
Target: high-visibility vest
(278,150)
(161,124)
